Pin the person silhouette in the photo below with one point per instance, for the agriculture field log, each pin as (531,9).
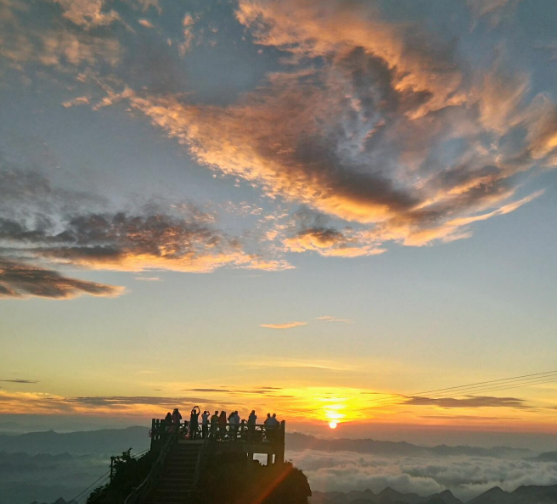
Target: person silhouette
(252,420)
(222,424)
(268,423)
(176,417)
(167,421)
(194,422)
(234,420)
(205,425)
(214,423)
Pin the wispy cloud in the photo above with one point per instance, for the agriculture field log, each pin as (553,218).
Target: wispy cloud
(494,10)
(468,402)
(325,365)
(87,13)
(145,23)
(80,100)
(329,318)
(284,325)
(383,127)
(384,96)
(21,381)
(39,222)
(21,280)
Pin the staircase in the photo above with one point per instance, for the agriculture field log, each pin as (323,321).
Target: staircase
(178,475)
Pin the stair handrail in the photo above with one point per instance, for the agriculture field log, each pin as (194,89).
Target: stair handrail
(139,493)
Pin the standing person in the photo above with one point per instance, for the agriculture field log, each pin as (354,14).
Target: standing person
(214,423)
(167,422)
(268,423)
(205,425)
(222,424)
(234,421)
(238,420)
(176,417)
(231,425)
(194,422)
(274,424)
(252,420)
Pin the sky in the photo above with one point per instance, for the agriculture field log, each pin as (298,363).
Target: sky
(325,209)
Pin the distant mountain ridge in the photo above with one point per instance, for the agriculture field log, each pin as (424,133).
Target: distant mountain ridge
(546,457)
(522,495)
(532,494)
(113,441)
(58,501)
(36,452)
(101,442)
(387,496)
(297,441)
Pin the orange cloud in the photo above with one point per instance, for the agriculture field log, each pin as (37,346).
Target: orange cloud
(87,13)
(285,325)
(321,28)
(330,243)
(55,45)
(182,241)
(146,23)
(329,318)
(360,124)
(362,138)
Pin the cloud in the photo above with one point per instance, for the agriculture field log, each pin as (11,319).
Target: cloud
(188,23)
(494,10)
(136,242)
(80,100)
(116,401)
(146,4)
(329,318)
(330,242)
(285,325)
(87,13)
(41,221)
(468,402)
(236,391)
(21,381)
(20,280)
(146,23)
(465,476)
(372,123)
(51,404)
(380,125)
(51,43)
(300,364)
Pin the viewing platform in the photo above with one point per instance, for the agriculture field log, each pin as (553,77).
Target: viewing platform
(182,456)
(250,440)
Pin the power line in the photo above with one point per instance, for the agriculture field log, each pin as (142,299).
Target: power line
(523,384)
(480,384)
(103,477)
(481,387)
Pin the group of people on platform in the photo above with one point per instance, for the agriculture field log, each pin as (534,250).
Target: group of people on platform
(215,426)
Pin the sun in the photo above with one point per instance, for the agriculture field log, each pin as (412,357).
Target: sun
(333,425)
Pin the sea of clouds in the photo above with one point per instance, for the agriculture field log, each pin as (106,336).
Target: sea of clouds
(465,476)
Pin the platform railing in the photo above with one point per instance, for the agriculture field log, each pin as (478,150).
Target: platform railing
(243,431)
